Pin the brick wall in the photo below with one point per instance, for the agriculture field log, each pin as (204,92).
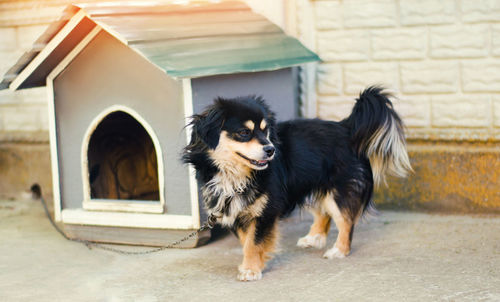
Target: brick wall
(24,111)
(441,58)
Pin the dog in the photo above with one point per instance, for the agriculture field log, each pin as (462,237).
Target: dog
(254,171)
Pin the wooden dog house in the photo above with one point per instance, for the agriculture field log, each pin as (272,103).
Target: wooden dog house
(122,80)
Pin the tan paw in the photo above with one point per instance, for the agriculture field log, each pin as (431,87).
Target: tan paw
(316,241)
(249,275)
(334,252)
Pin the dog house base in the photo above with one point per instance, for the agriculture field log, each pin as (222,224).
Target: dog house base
(135,236)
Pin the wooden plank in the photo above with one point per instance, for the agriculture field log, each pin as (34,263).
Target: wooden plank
(125,205)
(52,119)
(74,52)
(54,156)
(51,46)
(132,236)
(132,220)
(193,184)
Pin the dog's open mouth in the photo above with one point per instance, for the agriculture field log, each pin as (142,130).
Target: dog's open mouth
(258,163)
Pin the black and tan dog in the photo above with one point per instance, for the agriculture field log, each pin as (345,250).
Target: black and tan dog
(254,171)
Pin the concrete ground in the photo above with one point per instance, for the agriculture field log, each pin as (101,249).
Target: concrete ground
(395,257)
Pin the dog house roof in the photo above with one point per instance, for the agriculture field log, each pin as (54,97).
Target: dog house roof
(194,39)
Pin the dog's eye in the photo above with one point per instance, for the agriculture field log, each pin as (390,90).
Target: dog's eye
(244,132)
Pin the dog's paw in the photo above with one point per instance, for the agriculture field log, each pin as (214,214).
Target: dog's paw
(249,275)
(334,252)
(316,241)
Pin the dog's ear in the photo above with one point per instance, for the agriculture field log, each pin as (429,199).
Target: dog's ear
(207,127)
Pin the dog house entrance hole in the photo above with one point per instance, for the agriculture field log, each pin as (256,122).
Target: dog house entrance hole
(122,160)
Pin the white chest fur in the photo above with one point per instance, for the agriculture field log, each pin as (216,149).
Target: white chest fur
(226,189)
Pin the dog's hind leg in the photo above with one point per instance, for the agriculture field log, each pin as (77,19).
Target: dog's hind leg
(345,225)
(319,229)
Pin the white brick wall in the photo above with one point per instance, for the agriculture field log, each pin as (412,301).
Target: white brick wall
(21,118)
(461,111)
(335,107)
(329,79)
(26,110)
(441,58)
(356,75)
(344,45)
(480,10)
(423,12)
(496,110)
(495,40)
(8,39)
(481,75)
(328,15)
(429,76)
(416,110)
(375,13)
(454,41)
(399,43)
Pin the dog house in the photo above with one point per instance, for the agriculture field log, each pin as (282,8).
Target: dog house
(122,80)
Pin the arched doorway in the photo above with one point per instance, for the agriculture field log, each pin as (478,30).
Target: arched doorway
(121,164)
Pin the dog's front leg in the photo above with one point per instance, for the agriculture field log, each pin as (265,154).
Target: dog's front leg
(258,240)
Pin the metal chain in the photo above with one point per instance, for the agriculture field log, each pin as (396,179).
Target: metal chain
(89,244)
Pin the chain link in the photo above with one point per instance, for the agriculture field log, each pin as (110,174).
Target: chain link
(89,244)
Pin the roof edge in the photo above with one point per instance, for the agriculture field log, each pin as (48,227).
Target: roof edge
(73,22)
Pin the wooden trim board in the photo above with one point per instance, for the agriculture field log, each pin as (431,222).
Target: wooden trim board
(52,119)
(193,184)
(47,50)
(125,205)
(54,158)
(130,220)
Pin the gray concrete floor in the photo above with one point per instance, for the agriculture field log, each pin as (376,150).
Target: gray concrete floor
(395,257)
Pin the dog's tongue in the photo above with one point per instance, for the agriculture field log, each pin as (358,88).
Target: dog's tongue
(262,162)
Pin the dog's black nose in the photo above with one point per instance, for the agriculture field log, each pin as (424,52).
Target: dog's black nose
(269,150)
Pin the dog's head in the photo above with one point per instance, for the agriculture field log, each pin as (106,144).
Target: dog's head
(235,132)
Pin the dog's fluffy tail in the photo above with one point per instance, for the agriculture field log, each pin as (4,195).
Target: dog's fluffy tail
(378,133)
